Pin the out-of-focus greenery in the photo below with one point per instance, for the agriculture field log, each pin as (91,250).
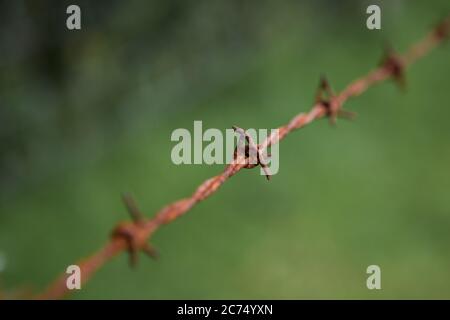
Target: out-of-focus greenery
(86,115)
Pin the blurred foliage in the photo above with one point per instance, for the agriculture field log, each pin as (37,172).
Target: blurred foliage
(86,115)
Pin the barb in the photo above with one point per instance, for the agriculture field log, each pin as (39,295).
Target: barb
(133,236)
(252,152)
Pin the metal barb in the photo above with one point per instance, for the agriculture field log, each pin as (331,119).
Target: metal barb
(393,63)
(250,149)
(132,208)
(326,97)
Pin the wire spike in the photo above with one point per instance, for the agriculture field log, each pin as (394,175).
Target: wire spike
(133,257)
(132,208)
(150,251)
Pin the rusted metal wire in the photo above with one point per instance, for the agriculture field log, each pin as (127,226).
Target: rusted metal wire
(133,236)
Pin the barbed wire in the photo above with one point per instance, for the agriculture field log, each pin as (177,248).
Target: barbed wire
(133,236)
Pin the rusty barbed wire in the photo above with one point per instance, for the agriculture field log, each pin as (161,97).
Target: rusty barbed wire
(133,236)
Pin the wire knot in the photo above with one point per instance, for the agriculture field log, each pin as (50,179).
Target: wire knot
(251,152)
(134,233)
(442,30)
(325,97)
(393,63)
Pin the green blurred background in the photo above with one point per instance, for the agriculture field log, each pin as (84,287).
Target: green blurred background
(86,115)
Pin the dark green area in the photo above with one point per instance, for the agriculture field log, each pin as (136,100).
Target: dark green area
(86,115)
